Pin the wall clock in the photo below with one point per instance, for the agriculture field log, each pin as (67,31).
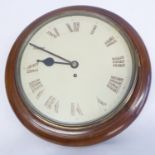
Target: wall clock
(78,75)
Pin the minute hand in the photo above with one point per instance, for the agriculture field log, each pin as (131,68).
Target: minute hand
(49,52)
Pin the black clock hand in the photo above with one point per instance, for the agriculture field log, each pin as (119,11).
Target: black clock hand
(50,61)
(42,49)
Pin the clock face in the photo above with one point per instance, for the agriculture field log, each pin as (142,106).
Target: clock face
(76,69)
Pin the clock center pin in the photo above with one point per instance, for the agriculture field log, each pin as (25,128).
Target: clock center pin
(74,64)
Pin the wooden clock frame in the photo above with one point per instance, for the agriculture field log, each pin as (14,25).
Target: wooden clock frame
(94,133)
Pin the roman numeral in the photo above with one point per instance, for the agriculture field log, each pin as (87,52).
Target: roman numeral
(54,33)
(118,61)
(74,27)
(52,102)
(39,94)
(110,41)
(93,29)
(101,102)
(75,109)
(32,68)
(35,85)
(115,83)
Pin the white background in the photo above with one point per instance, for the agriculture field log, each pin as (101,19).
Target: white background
(15,139)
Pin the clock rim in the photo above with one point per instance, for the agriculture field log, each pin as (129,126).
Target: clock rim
(96,132)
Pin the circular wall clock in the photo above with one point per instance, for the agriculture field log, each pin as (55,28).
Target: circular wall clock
(78,75)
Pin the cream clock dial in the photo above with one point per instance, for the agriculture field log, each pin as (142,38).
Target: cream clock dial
(76,69)
(78,75)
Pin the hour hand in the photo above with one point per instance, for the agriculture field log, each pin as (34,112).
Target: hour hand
(50,62)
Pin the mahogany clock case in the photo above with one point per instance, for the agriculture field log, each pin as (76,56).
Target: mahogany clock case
(93,133)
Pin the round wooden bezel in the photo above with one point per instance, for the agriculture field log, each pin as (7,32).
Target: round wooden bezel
(94,133)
